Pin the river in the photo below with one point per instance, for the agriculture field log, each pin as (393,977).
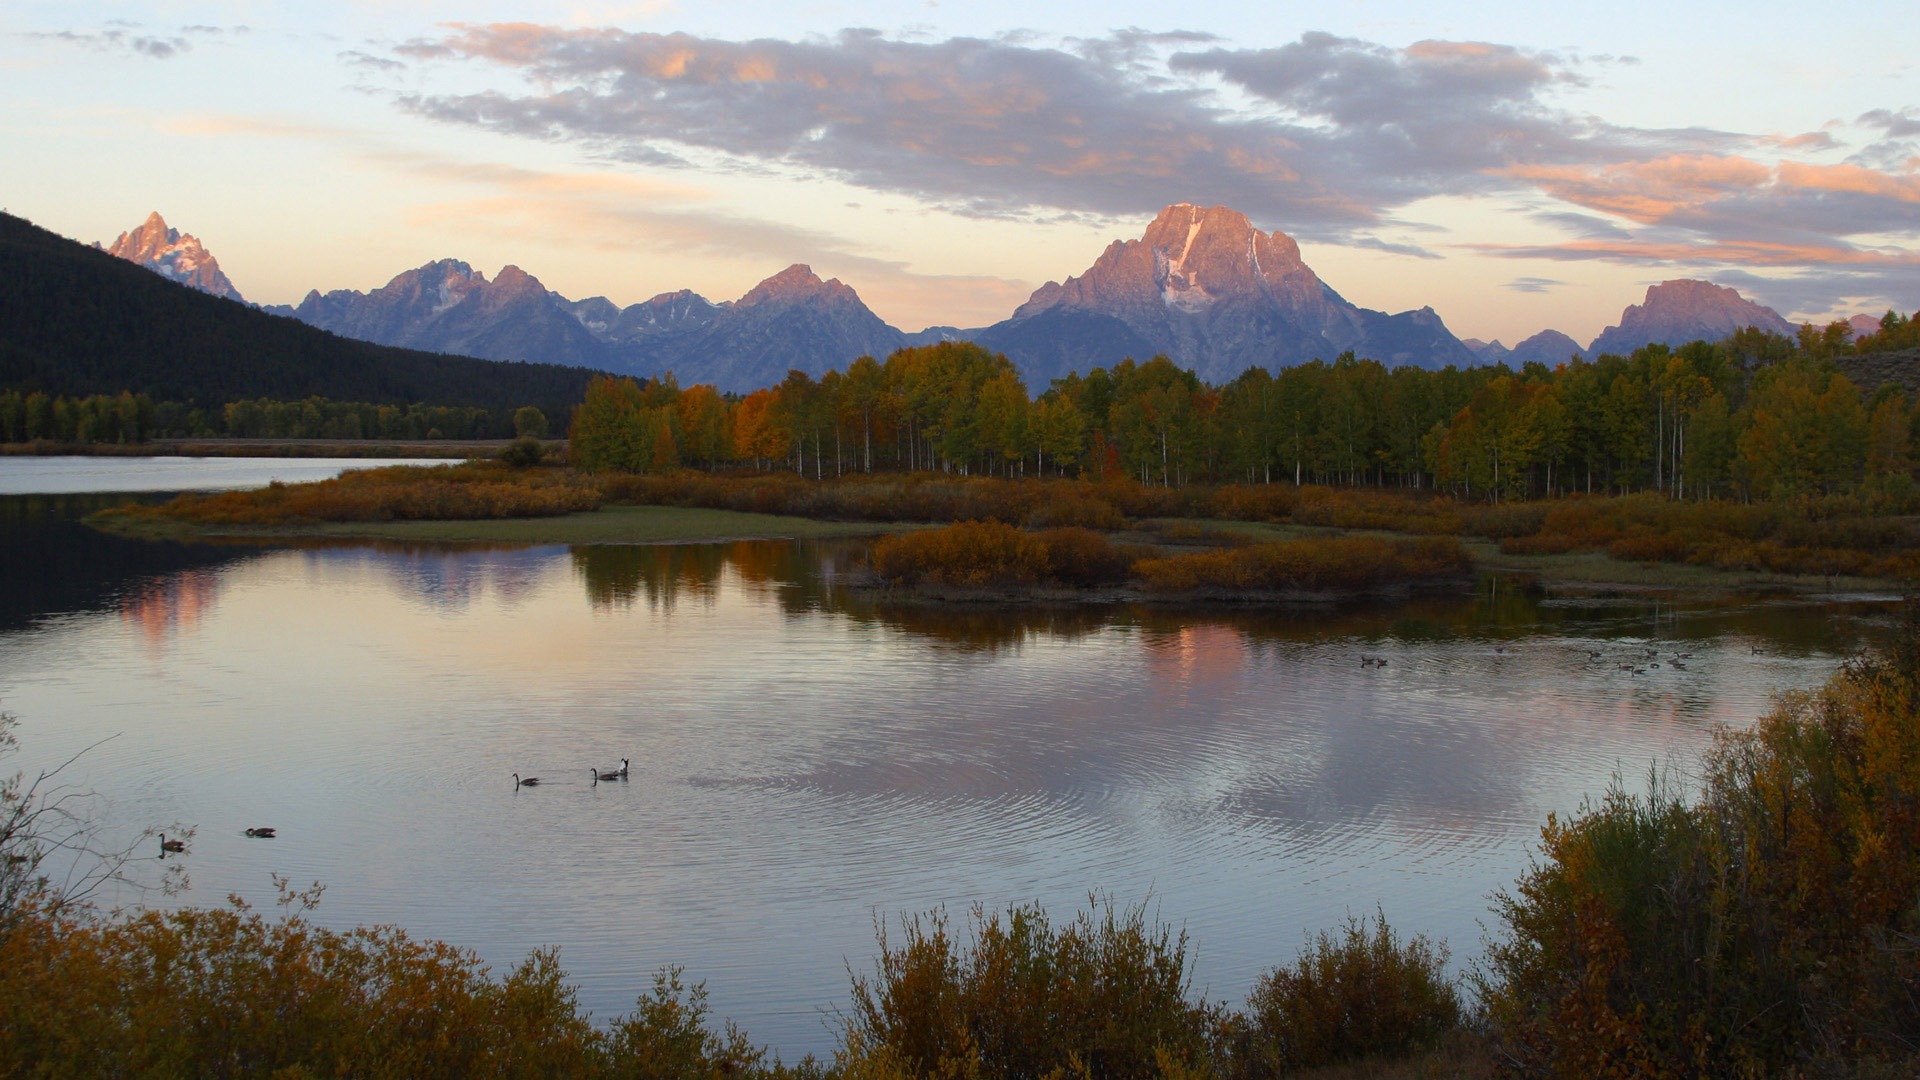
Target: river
(805,764)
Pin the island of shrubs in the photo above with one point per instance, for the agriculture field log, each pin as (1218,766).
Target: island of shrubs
(1767,926)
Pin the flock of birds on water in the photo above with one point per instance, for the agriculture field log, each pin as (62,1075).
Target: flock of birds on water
(599,774)
(177,846)
(1639,660)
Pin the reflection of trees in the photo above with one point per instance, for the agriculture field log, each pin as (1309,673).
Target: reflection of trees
(55,563)
(164,606)
(988,629)
(618,574)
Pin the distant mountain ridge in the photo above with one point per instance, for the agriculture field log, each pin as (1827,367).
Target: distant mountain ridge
(1201,285)
(791,320)
(1677,312)
(79,321)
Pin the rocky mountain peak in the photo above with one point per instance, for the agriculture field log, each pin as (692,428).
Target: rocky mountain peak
(797,284)
(1676,312)
(174,255)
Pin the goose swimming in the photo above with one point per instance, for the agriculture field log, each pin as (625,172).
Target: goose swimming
(263,832)
(528,782)
(175,846)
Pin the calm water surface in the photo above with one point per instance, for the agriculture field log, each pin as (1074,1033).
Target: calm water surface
(72,475)
(804,764)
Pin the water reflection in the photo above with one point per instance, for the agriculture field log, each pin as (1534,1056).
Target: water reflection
(54,564)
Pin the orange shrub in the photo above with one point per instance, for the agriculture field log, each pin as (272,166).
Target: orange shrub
(405,492)
(972,554)
(1348,562)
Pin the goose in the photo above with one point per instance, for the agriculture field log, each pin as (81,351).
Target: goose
(171,845)
(263,832)
(623,768)
(600,774)
(528,782)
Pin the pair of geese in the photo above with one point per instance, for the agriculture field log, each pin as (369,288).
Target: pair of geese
(178,847)
(599,774)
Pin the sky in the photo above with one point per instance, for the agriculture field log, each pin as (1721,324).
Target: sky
(1513,167)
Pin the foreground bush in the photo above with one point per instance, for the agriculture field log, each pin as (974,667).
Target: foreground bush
(229,992)
(1361,993)
(1104,995)
(1773,927)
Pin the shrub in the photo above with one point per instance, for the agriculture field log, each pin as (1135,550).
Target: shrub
(1084,557)
(1331,563)
(523,452)
(474,490)
(971,554)
(1104,995)
(1358,994)
(1075,510)
(1766,929)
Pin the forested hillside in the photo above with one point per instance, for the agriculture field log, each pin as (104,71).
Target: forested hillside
(76,321)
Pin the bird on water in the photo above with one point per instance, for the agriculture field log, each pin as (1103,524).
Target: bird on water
(167,845)
(528,782)
(263,832)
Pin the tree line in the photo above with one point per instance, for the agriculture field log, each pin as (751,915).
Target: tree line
(1759,415)
(135,418)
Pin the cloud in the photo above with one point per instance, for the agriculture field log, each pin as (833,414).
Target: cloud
(1903,124)
(1330,138)
(1343,133)
(616,211)
(367,61)
(1533,284)
(118,35)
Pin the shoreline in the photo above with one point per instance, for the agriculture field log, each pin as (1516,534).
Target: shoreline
(452,449)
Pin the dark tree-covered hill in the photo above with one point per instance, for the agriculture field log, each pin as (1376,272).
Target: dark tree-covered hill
(75,321)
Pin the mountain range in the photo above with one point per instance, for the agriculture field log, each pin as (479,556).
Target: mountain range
(76,321)
(1201,286)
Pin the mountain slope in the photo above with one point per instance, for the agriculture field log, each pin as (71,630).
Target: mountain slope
(80,321)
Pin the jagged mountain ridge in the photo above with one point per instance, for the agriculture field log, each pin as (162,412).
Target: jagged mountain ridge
(173,255)
(791,320)
(1201,285)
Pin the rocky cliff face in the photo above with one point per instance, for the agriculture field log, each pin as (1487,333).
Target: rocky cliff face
(1213,293)
(175,255)
(1677,312)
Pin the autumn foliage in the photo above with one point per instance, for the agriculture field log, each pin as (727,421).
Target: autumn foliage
(398,493)
(1312,565)
(1770,928)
